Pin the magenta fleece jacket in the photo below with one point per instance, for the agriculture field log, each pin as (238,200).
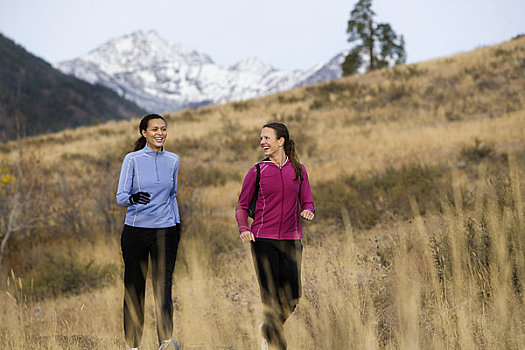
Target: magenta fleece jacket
(280,201)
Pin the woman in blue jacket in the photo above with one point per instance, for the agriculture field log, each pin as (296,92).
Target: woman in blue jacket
(148,188)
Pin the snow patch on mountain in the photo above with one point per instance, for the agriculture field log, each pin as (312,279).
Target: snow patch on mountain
(163,76)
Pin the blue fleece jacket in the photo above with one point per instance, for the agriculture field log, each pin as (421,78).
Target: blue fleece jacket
(156,173)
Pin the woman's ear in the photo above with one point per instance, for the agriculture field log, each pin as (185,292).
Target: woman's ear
(143,132)
(281,142)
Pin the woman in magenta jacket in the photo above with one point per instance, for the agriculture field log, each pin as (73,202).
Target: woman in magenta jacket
(275,234)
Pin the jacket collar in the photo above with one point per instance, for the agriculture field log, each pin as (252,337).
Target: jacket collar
(267,160)
(151,152)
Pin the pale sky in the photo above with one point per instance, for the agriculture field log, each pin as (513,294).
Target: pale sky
(288,34)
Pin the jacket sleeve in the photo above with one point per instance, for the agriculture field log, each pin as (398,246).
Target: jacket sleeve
(247,191)
(305,196)
(125,182)
(175,190)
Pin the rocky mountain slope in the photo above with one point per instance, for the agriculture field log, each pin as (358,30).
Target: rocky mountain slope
(163,76)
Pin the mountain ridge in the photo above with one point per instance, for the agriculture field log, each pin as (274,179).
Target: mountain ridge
(163,76)
(35,98)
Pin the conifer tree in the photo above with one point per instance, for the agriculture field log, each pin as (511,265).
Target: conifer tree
(377,41)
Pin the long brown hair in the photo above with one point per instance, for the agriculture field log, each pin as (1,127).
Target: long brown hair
(141,141)
(289,147)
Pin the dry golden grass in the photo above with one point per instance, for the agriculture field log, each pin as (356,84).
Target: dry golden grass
(352,300)
(451,278)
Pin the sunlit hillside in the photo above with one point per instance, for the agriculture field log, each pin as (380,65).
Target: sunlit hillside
(418,242)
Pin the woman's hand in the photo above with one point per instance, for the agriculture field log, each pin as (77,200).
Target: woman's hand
(307,214)
(247,236)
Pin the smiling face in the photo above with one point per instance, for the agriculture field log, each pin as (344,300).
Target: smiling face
(272,147)
(155,134)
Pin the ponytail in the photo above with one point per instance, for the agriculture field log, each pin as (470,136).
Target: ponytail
(143,126)
(140,143)
(289,150)
(289,147)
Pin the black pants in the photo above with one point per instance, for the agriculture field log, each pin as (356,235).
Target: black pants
(278,267)
(138,245)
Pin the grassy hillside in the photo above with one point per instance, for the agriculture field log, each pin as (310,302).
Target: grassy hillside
(35,98)
(418,242)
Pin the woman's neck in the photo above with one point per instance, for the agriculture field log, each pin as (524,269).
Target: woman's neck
(154,148)
(279,159)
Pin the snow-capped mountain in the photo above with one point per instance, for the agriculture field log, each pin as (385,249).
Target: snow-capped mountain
(162,76)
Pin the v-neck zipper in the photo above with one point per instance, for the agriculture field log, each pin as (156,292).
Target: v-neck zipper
(282,201)
(156,166)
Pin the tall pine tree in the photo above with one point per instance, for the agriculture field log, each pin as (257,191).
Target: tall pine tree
(376,41)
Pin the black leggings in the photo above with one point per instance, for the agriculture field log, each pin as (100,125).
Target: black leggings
(138,244)
(278,267)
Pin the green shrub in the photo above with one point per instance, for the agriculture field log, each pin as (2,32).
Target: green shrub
(334,86)
(397,91)
(204,175)
(184,145)
(292,99)
(63,274)
(316,104)
(188,115)
(403,72)
(380,194)
(240,106)
(477,152)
